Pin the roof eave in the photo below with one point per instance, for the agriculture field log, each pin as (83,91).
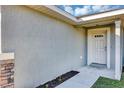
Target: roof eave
(57,13)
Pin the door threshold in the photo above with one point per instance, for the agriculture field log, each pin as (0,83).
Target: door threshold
(96,65)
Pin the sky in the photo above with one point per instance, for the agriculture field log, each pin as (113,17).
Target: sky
(79,10)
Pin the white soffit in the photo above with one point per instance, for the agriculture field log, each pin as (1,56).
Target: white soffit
(61,12)
(102,15)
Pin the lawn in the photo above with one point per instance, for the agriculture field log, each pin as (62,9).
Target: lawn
(103,82)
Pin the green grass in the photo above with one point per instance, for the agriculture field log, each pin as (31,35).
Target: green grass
(103,82)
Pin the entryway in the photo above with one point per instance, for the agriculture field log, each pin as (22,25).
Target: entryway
(98,46)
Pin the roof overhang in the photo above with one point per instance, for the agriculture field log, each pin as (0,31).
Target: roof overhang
(55,12)
(101,21)
(86,21)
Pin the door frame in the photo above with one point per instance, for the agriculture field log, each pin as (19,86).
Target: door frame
(89,48)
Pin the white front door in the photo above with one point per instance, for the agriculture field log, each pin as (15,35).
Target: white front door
(98,46)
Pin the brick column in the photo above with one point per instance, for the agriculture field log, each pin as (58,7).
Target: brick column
(6,72)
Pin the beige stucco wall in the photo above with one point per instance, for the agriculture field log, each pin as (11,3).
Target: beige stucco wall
(44,47)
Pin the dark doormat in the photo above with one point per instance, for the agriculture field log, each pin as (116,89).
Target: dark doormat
(58,80)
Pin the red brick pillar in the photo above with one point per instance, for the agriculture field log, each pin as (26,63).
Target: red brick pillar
(7,73)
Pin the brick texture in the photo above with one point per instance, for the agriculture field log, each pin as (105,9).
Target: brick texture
(7,73)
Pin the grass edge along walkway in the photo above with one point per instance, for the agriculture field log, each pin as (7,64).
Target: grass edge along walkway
(103,82)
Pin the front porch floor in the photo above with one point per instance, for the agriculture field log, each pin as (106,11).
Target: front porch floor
(87,77)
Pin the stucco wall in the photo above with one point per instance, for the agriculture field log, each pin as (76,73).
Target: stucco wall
(112,35)
(44,47)
(122,44)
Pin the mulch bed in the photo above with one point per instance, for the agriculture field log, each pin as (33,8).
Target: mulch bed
(58,80)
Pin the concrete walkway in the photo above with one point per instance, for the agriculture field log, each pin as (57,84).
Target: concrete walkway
(87,77)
